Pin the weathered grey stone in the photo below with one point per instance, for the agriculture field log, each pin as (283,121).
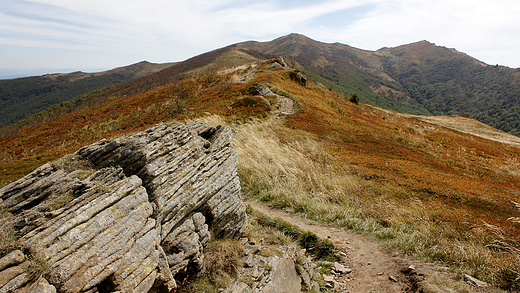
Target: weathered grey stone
(474,281)
(185,245)
(284,277)
(42,286)
(14,277)
(329,279)
(139,215)
(260,90)
(180,173)
(298,77)
(264,274)
(165,278)
(238,287)
(306,271)
(339,268)
(15,283)
(13,258)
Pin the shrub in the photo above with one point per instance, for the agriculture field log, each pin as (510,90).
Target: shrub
(222,260)
(308,240)
(322,248)
(354,99)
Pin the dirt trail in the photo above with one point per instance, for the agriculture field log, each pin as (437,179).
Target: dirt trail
(375,268)
(286,105)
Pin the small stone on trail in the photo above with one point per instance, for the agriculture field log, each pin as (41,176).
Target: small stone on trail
(392,278)
(290,210)
(342,253)
(474,281)
(341,268)
(328,278)
(380,274)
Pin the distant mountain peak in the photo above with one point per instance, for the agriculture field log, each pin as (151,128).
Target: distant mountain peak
(294,37)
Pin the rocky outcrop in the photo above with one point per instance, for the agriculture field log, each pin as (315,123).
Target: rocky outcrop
(131,215)
(298,77)
(285,104)
(289,270)
(260,90)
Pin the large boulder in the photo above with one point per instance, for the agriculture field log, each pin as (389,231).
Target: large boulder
(125,215)
(275,274)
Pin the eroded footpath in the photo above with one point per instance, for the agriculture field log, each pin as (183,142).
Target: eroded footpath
(372,267)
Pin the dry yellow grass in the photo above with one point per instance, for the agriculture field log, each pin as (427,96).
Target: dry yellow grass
(472,126)
(291,169)
(294,173)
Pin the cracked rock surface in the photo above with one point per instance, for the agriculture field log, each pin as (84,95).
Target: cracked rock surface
(131,215)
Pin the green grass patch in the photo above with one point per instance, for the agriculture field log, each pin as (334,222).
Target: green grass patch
(322,249)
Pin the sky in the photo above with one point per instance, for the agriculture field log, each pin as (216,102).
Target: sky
(95,35)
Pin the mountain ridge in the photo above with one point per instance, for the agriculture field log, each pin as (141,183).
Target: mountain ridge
(420,78)
(417,78)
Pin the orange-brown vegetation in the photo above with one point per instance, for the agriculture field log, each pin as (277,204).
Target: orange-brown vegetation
(189,98)
(467,175)
(413,171)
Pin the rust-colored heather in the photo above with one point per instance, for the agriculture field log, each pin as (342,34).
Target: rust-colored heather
(429,189)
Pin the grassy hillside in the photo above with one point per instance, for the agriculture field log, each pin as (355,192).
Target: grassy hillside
(23,97)
(438,193)
(203,66)
(445,82)
(435,192)
(419,78)
(339,67)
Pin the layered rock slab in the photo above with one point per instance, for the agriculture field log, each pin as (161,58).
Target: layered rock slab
(128,214)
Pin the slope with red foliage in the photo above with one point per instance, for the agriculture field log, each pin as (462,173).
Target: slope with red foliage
(460,181)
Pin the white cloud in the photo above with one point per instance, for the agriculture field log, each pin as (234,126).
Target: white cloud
(175,30)
(480,28)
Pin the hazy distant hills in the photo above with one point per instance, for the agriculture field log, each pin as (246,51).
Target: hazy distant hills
(23,97)
(419,78)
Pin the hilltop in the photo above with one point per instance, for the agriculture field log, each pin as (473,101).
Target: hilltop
(418,78)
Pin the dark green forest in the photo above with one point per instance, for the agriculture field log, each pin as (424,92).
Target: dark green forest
(23,97)
(457,85)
